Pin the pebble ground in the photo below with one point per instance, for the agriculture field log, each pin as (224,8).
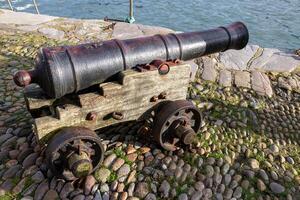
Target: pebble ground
(248,146)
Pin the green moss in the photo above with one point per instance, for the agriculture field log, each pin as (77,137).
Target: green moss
(216,155)
(112,177)
(15,180)
(7,196)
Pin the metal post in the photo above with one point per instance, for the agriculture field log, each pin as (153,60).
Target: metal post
(36,7)
(9,3)
(130,18)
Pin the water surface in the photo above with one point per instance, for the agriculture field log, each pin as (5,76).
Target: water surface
(272,23)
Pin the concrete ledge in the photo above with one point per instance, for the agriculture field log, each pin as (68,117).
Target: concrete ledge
(22,18)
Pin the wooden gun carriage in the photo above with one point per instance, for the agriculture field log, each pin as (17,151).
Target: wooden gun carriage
(87,87)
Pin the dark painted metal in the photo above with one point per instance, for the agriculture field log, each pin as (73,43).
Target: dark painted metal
(176,121)
(68,69)
(69,141)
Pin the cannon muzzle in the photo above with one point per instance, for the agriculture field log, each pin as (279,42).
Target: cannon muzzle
(67,69)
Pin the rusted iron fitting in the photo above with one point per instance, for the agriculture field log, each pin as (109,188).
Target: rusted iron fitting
(154,99)
(162,95)
(162,66)
(117,115)
(91,116)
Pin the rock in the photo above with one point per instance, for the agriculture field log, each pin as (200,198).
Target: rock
(132,157)
(123,171)
(238,59)
(238,192)
(242,79)
(277,188)
(19,187)
(102,175)
(104,188)
(117,164)
(274,175)
(263,175)
(164,189)
(41,190)
(150,196)
(207,193)
(280,61)
(225,78)
(97,196)
(38,177)
(209,171)
(109,160)
(254,164)
(126,30)
(30,160)
(225,168)
(197,195)
(274,148)
(183,196)
(30,190)
(50,195)
(131,177)
(11,172)
(66,190)
(290,160)
(228,193)
(89,183)
(261,84)
(199,186)
(5,137)
(131,189)
(261,185)
(209,71)
(141,190)
(52,33)
(227,179)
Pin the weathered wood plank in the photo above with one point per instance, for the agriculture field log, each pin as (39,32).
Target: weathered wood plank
(131,96)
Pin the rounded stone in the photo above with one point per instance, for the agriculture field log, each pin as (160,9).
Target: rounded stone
(277,188)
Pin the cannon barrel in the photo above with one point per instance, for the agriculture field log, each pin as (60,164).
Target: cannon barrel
(67,69)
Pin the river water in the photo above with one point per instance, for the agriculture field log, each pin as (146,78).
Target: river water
(272,23)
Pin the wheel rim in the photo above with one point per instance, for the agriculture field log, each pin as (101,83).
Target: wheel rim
(176,116)
(70,141)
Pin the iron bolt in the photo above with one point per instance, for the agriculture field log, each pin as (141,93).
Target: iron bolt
(91,116)
(162,95)
(117,115)
(154,99)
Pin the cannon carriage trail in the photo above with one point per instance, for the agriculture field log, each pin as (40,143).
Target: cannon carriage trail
(248,146)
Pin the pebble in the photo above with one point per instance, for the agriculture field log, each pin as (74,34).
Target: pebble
(104,188)
(254,164)
(237,192)
(150,196)
(117,164)
(183,196)
(141,190)
(109,160)
(164,189)
(50,195)
(102,174)
(225,168)
(38,177)
(209,170)
(66,190)
(261,185)
(41,190)
(277,188)
(199,186)
(89,183)
(123,171)
(197,195)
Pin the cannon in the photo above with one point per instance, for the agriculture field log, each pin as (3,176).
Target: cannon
(79,89)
